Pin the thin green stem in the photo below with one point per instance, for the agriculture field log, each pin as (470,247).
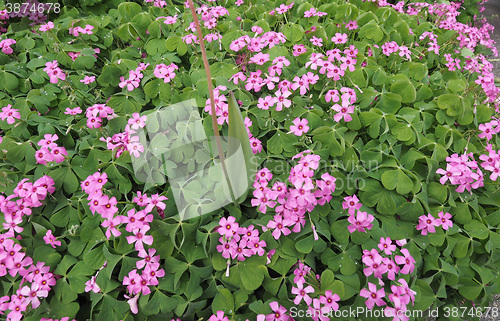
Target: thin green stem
(215,126)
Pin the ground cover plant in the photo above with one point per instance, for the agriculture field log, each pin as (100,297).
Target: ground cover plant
(368,132)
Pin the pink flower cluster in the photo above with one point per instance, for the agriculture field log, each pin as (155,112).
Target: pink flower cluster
(76,31)
(55,73)
(293,202)
(26,195)
(74,55)
(47,26)
(392,46)
(462,171)
(335,63)
(378,265)
(362,220)
(346,99)
(10,114)
(158,3)
(320,307)
(134,78)
(96,113)
(238,242)
(314,13)
(452,63)
(433,46)
(428,224)
(127,140)
(209,17)
(282,9)
(49,151)
(5,45)
(13,259)
(137,223)
(258,43)
(491,162)
(489,129)
(167,73)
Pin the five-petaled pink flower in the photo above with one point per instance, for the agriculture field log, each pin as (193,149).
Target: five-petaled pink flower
(299,126)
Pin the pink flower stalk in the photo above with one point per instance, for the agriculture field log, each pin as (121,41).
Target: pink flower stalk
(91,285)
(373,296)
(300,126)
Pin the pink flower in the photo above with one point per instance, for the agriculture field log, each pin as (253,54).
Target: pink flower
(299,50)
(88,79)
(330,300)
(316,41)
(361,222)
(265,103)
(300,126)
(373,295)
(32,294)
(282,100)
(137,121)
(279,225)
(262,200)
(339,38)
(260,58)
(407,260)
(46,27)
(51,239)
(352,203)
(140,237)
(73,112)
(43,156)
(278,313)
(352,25)
(218,317)
(228,227)
(343,111)
(428,224)
(446,223)
(5,45)
(256,145)
(10,114)
(301,293)
(386,245)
